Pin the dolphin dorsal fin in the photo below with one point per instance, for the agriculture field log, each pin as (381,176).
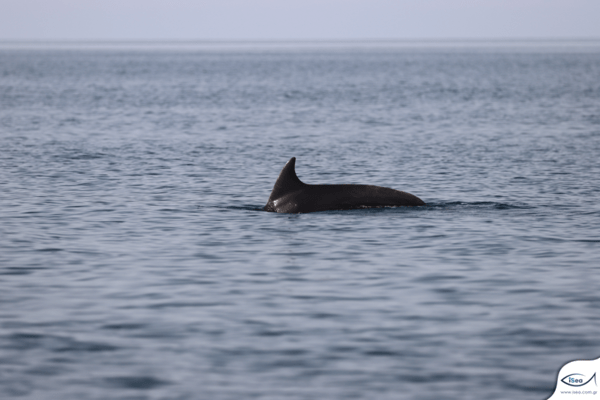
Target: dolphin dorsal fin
(287,182)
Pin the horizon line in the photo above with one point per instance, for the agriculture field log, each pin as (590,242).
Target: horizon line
(300,40)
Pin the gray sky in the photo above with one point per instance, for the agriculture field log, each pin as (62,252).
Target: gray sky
(297,19)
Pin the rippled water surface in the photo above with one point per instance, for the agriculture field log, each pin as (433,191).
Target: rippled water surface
(136,264)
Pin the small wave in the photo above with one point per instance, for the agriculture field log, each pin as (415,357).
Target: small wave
(430,206)
(478,205)
(244,208)
(20,270)
(134,382)
(59,344)
(123,326)
(80,155)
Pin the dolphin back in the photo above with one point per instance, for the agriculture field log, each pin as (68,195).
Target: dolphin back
(290,195)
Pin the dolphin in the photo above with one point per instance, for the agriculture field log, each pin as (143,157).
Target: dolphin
(291,195)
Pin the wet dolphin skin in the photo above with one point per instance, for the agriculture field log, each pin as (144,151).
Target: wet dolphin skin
(290,195)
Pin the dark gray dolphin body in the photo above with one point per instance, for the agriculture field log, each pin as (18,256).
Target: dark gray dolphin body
(290,195)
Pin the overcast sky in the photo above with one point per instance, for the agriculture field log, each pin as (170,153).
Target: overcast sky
(297,19)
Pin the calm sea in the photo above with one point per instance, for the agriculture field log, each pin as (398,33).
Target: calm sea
(135,262)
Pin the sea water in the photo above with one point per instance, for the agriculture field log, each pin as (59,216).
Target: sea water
(136,262)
